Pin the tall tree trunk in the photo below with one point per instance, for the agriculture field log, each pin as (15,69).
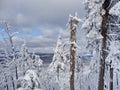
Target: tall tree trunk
(72,61)
(103,48)
(73,22)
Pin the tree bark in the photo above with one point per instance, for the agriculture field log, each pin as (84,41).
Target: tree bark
(111,78)
(72,55)
(72,61)
(72,22)
(103,48)
(16,72)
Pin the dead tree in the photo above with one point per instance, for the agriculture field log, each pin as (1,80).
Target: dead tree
(73,22)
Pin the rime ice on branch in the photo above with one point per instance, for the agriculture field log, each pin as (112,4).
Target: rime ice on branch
(115,10)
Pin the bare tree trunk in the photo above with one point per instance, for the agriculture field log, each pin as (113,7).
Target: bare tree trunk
(72,61)
(16,72)
(103,48)
(72,24)
(13,83)
(111,78)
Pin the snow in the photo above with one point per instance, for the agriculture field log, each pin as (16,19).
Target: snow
(95,12)
(114,47)
(87,24)
(76,45)
(75,17)
(30,80)
(114,52)
(59,58)
(94,34)
(113,60)
(33,75)
(59,44)
(115,10)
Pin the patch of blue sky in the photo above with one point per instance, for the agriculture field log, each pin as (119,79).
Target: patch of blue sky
(2,33)
(34,32)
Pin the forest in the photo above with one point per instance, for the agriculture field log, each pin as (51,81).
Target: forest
(68,70)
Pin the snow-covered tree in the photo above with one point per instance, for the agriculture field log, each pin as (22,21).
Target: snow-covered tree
(23,62)
(93,24)
(113,48)
(113,66)
(9,35)
(59,66)
(9,51)
(30,81)
(58,58)
(97,22)
(63,67)
(73,23)
(26,62)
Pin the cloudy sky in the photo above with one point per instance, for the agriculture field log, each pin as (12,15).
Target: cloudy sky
(39,22)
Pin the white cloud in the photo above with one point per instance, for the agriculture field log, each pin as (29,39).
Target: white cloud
(20,19)
(45,41)
(50,16)
(35,12)
(26,30)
